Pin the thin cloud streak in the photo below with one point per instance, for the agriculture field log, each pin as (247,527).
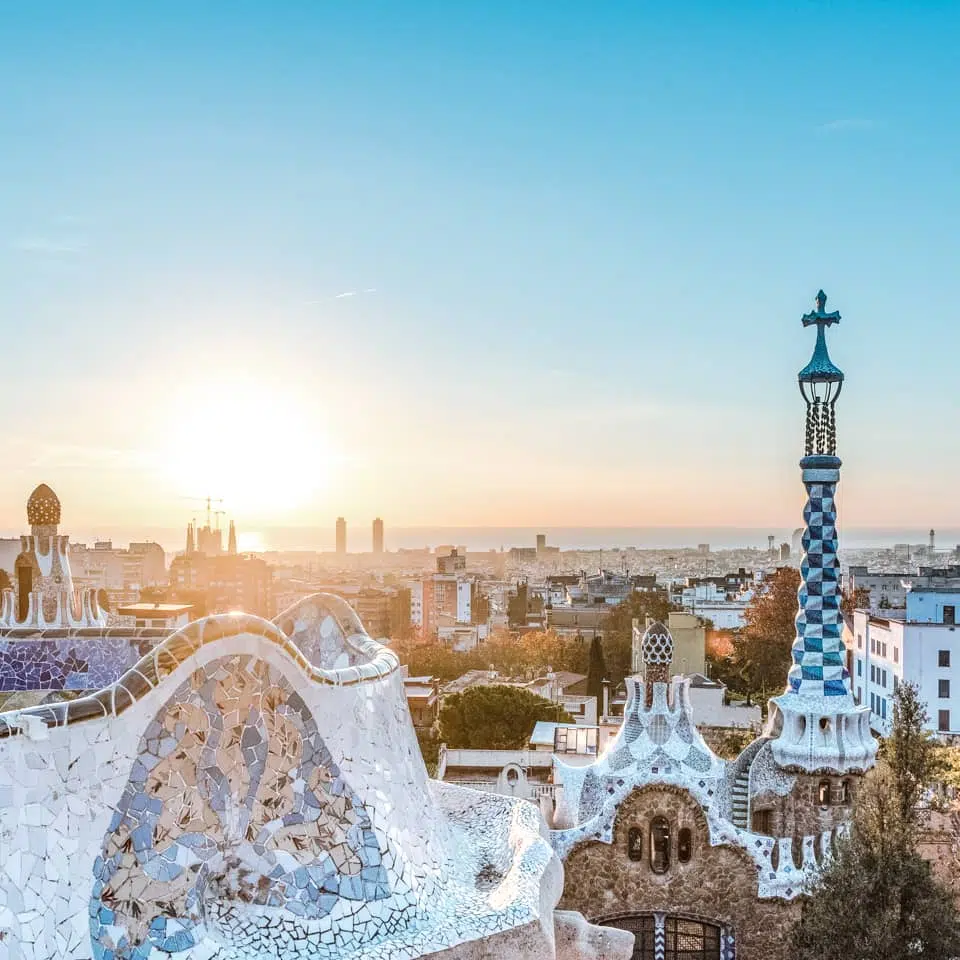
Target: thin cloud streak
(847,124)
(344,295)
(48,246)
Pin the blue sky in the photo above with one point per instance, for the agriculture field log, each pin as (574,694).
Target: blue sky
(577,241)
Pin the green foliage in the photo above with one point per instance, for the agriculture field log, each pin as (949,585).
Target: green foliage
(729,744)
(430,749)
(877,899)
(853,600)
(761,651)
(529,655)
(497,717)
(911,753)
(596,671)
(618,630)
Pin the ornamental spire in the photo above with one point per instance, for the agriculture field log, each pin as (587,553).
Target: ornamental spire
(820,383)
(816,724)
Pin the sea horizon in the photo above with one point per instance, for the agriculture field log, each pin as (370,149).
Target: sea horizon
(266,538)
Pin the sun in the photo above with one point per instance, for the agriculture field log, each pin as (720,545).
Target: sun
(251,442)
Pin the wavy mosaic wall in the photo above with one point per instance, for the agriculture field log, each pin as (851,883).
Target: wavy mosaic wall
(252,789)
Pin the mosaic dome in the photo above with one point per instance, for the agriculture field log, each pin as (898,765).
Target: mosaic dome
(43,507)
(657,644)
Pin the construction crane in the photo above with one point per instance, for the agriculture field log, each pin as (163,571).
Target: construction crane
(208,500)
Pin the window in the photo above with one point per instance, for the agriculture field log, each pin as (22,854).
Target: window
(859,668)
(949,614)
(644,929)
(762,821)
(873,645)
(883,679)
(873,673)
(943,720)
(873,702)
(883,709)
(659,845)
(859,695)
(943,658)
(943,689)
(859,641)
(690,940)
(896,654)
(635,843)
(684,845)
(823,793)
(884,654)
(895,683)
(575,740)
(845,791)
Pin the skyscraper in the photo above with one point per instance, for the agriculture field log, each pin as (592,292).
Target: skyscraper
(232,539)
(378,535)
(341,536)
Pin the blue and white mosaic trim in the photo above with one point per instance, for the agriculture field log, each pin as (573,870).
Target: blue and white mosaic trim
(818,666)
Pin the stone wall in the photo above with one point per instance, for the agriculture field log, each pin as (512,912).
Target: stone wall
(801,813)
(718,884)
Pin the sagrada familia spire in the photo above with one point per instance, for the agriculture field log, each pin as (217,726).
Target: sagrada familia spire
(816,723)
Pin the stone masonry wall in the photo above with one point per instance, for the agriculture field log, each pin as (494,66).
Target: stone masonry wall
(719,884)
(801,813)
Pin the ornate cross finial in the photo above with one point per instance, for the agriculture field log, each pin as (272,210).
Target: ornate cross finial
(820,315)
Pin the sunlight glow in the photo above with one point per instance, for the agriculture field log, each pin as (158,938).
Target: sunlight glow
(250,441)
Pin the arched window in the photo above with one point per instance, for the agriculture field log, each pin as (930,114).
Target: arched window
(845,791)
(635,843)
(824,793)
(684,845)
(659,845)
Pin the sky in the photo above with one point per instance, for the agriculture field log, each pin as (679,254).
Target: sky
(475,264)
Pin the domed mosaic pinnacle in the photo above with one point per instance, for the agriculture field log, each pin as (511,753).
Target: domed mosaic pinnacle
(43,507)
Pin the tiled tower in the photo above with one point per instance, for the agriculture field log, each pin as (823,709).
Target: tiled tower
(816,723)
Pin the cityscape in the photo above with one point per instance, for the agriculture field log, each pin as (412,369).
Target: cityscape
(449,519)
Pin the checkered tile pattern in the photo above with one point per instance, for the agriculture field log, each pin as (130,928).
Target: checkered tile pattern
(818,668)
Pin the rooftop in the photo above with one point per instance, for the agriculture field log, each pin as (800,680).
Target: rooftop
(154,609)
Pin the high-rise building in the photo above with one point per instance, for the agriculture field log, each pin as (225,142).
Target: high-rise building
(541,543)
(232,540)
(378,535)
(341,536)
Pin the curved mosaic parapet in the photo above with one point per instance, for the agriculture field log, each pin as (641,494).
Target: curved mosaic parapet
(233,796)
(371,660)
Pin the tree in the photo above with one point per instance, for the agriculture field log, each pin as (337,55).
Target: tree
(888,900)
(618,629)
(596,671)
(854,600)
(912,753)
(761,651)
(495,717)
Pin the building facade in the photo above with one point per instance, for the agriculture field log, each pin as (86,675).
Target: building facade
(698,856)
(919,644)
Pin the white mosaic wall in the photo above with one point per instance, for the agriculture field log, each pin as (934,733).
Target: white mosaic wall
(240,802)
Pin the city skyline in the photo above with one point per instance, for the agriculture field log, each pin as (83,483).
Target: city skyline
(472,272)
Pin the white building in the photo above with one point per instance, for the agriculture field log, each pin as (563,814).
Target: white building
(416,602)
(707,600)
(707,700)
(920,645)
(170,616)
